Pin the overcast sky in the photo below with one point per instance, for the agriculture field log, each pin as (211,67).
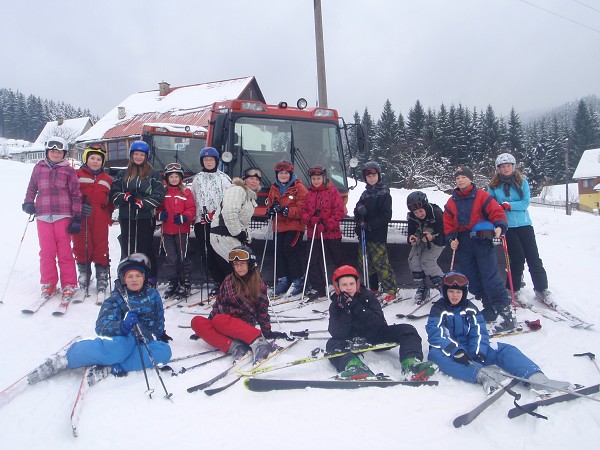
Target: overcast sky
(506,53)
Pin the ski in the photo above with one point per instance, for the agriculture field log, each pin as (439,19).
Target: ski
(192,355)
(79,296)
(62,307)
(220,375)
(6,395)
(411,315)
(282,320)
(92,375)
(560,313)
(195,366)
(385,304)
(315,357)
(174,303)
(267,384)
(530,407)
(238,377)
(35,306)
(100,296)
(467,418)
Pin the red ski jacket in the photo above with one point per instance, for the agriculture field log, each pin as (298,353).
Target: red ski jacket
(177,203)
(324,204)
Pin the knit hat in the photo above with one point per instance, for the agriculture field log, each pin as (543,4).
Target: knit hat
(465,171)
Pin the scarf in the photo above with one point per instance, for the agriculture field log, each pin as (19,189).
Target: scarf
(507,182)
(283,187)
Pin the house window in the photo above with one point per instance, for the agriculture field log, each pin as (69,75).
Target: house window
(117,150)
(587,184)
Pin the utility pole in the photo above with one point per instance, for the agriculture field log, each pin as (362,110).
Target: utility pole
(321,78)
(568,205)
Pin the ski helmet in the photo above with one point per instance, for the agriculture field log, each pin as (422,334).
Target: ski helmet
(483,230)
(455,280)
(135,261)
(344,271)
(416,200)
(318,169)
(505,158)
(284,165)
(94,149)
(371,168)
(209,151)
(139,146)
(57,143)
(243,253)
(172,168)
(252,172)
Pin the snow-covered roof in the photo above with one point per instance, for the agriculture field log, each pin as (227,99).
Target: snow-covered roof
(13,146)
(589,165)
(70,129)
(179,101)
(557,193)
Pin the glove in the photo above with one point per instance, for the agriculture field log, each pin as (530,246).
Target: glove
(313,221)
(208,217)
(320,229)
(361,210)
(180,219)
(129,197)
(462,357)
(164,338)
(364,226)
(28,207)
(86,209)
(506,206)
(346,301)
(242,237)
(75,225)
(138,203)
(131,319)
(163,216)
(285,211)
(277,335)
(480,358)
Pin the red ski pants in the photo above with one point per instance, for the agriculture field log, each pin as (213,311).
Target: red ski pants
(97,241)
(222,330)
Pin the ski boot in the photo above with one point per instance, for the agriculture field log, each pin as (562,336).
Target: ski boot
(101,277)
(437,283)
(422,293)
(184,290)
(386,297)
(545,386)
(85,273)
(355,370)
(506,320)
(238,350)
(546,297)
(171,289)
(295,288)
(419,370)
(53,365)
(48,290)
(261,348)
(282,286)
(491,379)
(68,292)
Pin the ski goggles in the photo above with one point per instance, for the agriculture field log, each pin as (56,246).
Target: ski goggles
(454,279)
(173,168)
(366,172)
(97,148)
(283,166)
(139,258)
(252,173)
(317,170)
(483,234)
(239,255)
(415,206)
(55,145)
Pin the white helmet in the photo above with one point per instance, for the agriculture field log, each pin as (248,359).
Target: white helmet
(505,158)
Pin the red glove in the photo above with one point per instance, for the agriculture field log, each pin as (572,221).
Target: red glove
(139,203)
(506,206)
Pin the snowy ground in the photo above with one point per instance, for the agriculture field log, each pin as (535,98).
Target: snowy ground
(117,413)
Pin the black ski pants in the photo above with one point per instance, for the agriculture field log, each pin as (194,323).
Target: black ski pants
(177,266)
(522,247)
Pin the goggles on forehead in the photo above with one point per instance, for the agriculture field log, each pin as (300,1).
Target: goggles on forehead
(416,205)
(369,172)
(316,171)
(97,147)
(139,257)
(55,145)
(253,173)
(455,280)
(239,255)
(173,167)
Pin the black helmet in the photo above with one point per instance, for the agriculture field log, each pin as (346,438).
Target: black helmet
(243,253)
(368,169)
(172,168)
(416,200)
(319,170)
(135,261)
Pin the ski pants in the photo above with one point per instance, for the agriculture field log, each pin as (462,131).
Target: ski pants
(92,244)
(122,350)
(177,265)
(289,255)
(223,329)
(404,334)
(507,357)
(142,240)
(55,244)
(316,269)
(522,247)
(477,260)
(379,264)
(211,260)
(423,258)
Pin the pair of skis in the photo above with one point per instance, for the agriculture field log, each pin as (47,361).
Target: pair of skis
(557,314)
(60,309)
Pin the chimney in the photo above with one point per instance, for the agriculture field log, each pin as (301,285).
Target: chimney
(121,112)
(60,121)
(163,88)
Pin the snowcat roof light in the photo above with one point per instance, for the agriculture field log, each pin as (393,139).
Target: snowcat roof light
(253,106)
(301,103)
(320,112)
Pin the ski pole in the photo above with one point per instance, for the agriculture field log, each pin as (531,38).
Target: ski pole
(129,229)
(88,267)
(592,358)
(29,220)
(365,258)
(269,230)
(312,243)
(275,253)
(509,272)
(452,261)
(325,268)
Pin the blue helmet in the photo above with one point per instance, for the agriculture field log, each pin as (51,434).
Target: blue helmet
(209,151)
(139,146)
(483,230)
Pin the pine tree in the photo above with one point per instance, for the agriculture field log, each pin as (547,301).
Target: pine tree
(515,136)
(416,122)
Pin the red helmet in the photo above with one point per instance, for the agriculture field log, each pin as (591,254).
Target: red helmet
(284,165)
(344,271)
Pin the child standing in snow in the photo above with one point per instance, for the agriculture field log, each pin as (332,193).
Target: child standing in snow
(355,312)
(511,191)
(471,219)
(131,305)
(91,245)
(54,197)
(323,208)
(426,236)
(460,345)
(208,188)
(373,213)
(137,191)
(241,303)
(286,197)
(176,213)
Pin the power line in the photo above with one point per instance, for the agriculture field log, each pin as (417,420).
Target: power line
(587,6)
(561,16)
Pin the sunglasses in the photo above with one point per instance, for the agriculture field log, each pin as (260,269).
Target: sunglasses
(253,173)
(455,279)
(316,171)
(239,255)
(55,145)
(415,206)
(369,172)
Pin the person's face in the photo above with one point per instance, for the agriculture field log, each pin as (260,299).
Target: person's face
(240,267)
(420,213)
(506,169)
(252,183)
(138,157)
(454,296)
(173,179)
(348,285)
(462,182)
(316,180)
(94,162)
(372,179)
(55,155)
(134,280)
(283,176)
(209,162)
